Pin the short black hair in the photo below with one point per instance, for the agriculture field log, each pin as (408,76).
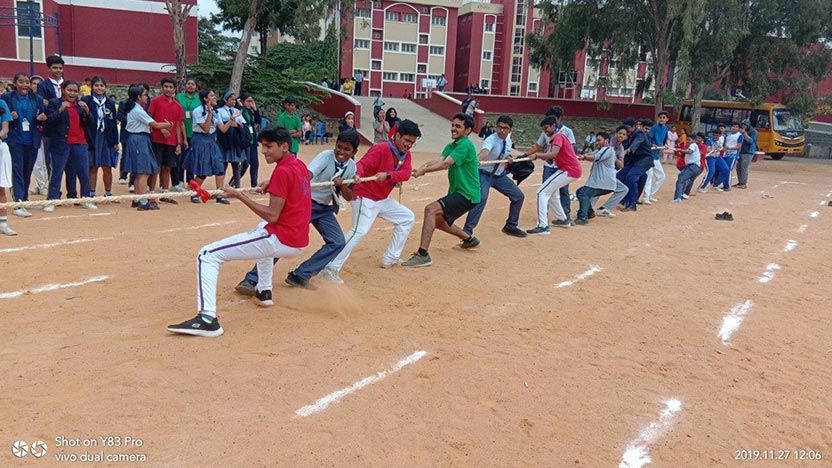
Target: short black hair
(66,83)
(275,134)
(645,122)
(408,128)
(735,123)
(663,113)
(555,111)
(467,120)
(350,136)
(54,60)
(167,81)
(622,127)
(549,120)
(504,119)
(702,135)
(629,121)
(603,135)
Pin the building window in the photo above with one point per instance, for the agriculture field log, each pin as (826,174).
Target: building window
(409,18)
(23,28)
(514,90)
(376,65)
(516,69)
(362,13)
(520,17)
(391,16)
(409,77)
(533,87)
(425,10)
(519,35)
(362,43)
(377,4)
(486,55)
(390,76)
(423,38)
(377,35)
(489,27)
(436,50)
(409,48)
(484,84)
(421,69)
(438,20)
(391,46)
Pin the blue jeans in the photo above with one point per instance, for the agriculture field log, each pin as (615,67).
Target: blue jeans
(565,202)
(730,161)
(23,162)
(324,221)
(253,162)
(685,180)
(75,160)
(504,185)
(585,195)
(631,175)
(717,169)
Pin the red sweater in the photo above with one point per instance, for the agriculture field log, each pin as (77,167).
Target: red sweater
(381,158)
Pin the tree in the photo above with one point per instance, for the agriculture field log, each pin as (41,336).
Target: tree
(626,30)
(212,39)
(254,12)
(179,13)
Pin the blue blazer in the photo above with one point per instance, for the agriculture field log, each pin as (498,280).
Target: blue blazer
(12,100)
(110,122)
(57,122)
(46,91)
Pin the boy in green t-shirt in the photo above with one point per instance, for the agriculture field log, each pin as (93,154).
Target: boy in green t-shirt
(291,121)
(189,100)
(460,159)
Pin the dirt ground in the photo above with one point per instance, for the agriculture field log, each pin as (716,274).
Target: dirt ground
(518,372)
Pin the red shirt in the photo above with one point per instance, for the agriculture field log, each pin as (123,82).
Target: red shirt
(76,134)
(163,108)
(382,158)
(703,152)
(566,159)
(290,181)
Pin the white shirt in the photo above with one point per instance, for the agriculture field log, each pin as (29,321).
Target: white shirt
(695,157)
(323,169)
(494,145)
(56,85)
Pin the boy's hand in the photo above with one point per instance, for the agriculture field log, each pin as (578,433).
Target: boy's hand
(230,192)
(261,187)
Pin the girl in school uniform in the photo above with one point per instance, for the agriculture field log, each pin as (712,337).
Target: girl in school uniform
(67,117)
(5,166)
(231,138)
(205,158)
(252,116)
(103,131)
(141,160)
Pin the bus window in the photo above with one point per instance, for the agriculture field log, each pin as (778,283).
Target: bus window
(707,115)
(685,114)
(759,119)
(723,115)
(741,114)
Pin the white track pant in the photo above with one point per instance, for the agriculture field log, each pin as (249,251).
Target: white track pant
(364,213)
(651,188)
(548,197)
(256,244)
(41,171)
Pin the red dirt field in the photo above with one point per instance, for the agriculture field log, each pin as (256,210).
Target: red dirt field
(517,372)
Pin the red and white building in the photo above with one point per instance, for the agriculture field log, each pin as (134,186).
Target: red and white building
(125,41)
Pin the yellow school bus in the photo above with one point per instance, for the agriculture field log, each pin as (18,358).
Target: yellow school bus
(783,137)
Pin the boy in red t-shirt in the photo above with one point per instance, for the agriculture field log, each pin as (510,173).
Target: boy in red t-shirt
(284,233)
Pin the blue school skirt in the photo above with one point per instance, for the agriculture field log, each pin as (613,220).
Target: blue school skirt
(205,157)
(101,154)
(234,155)
(140,157)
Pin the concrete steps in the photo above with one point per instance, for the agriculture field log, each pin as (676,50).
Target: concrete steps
(436,130)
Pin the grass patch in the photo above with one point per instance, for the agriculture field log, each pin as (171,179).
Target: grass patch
(527,127)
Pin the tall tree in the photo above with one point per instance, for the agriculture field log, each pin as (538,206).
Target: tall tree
(210,38)
(254,12)
(179,14)
(627,30)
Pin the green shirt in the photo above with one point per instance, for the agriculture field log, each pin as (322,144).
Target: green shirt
(188,105)
(464,173)
(291,122)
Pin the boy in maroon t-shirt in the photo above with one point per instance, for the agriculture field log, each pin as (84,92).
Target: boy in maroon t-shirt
(284,232)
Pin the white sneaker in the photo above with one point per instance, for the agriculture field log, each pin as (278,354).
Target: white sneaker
(388,264)
(23,213)
(89,206)
(5,229)
(34,190)
(702,190)
(605,212)
(645,201)
(132,188)
(179,188)
(331,275)
(49,208)
(122,181)
(654,199)
(685,196)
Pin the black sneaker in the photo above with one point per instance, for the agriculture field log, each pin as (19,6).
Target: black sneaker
(246,288)
(590,216)
(224,201)
(294,280)
(562,223)
(134,204)
(195,199)
(153,205)
(263,298)
(169,201)
(144,207)
(470,243)
(513,231)
(198,327)
(581,221)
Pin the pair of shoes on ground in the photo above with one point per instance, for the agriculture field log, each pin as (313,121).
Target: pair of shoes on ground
(724,216)
(23,213)
(6,230)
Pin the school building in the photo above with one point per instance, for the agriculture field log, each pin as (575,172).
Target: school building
(125,41)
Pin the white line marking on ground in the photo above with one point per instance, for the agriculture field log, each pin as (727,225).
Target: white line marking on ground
(732,321)
(768,275)
(786,182)
(790,245)
(56,244)
(592,270)
(802,228)
(52,287)
(324,402)
(637,453)
(190,228)
(829,195)
(91,215)
(814,214)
